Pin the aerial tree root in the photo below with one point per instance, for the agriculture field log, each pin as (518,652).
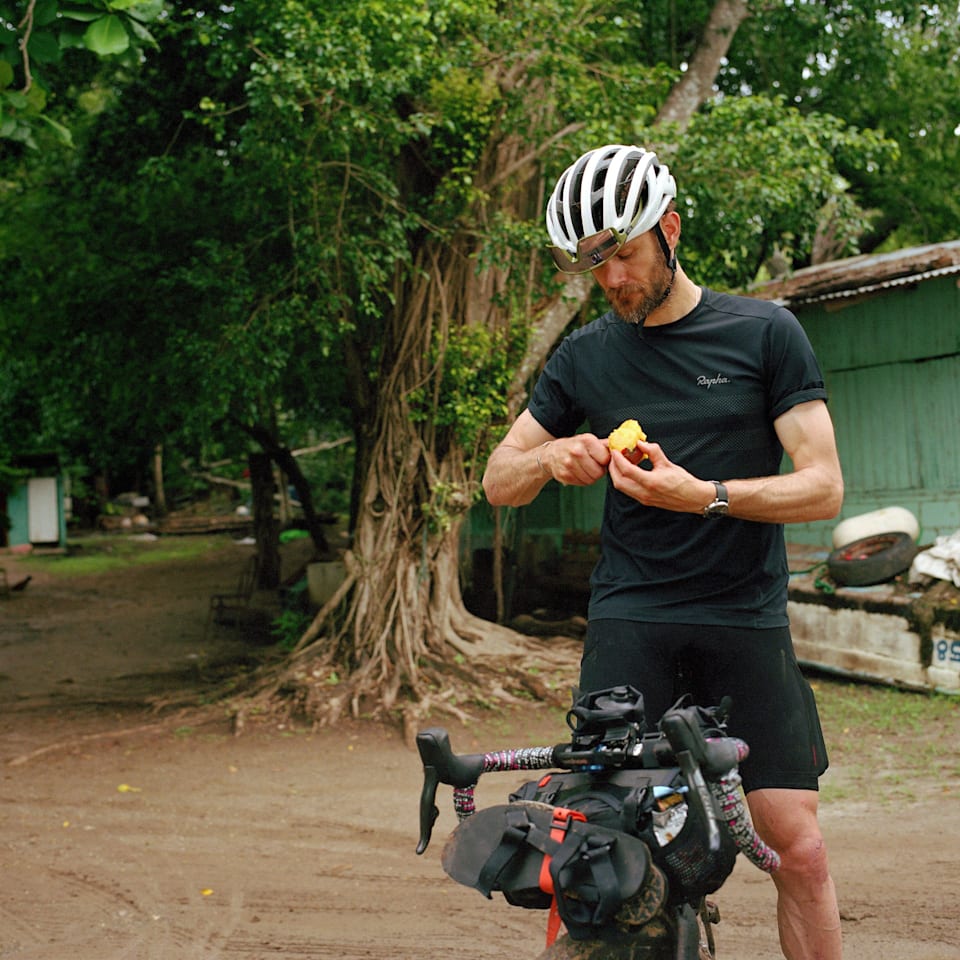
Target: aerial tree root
(478,666)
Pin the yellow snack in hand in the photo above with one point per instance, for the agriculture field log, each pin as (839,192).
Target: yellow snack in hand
(626,437)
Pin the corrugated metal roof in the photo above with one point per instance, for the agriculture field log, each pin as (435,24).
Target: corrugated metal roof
(856,276)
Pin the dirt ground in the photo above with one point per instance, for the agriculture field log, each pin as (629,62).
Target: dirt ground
(130,833)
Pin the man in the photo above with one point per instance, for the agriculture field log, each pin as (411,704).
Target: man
(692,576)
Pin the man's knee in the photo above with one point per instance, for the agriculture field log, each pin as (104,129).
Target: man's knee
(804,861)
(787,820)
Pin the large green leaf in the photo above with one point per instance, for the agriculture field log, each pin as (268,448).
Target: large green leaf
(43,48)
(107,36)
(61,132)
(144,10)
(44,12)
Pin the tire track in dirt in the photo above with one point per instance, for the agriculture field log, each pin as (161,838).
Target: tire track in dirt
(106,912)
(396,949)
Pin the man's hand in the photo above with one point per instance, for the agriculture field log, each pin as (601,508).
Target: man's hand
(660,482)
(528,457)
(813,490)
(576,461)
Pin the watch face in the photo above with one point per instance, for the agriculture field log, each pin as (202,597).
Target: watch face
(716,509)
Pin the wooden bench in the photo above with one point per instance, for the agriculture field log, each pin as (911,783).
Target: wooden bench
(229,609)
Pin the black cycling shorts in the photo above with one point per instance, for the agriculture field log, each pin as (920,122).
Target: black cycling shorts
(773,708)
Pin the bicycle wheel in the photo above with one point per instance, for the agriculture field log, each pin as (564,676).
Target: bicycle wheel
(644,929)
(659,944)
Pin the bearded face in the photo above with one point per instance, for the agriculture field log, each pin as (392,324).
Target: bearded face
(633,302)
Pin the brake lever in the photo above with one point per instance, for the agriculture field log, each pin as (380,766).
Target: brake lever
(429,811)
(441,765)
(694,756)
(714,757)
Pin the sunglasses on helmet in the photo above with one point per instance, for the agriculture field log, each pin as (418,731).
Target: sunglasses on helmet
(591,251)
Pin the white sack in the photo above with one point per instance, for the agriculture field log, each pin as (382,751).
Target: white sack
(941,561)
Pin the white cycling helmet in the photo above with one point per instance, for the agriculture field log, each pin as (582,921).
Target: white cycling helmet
(607,197)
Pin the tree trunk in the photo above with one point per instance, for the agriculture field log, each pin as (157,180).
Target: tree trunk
(288,465)
(395,630)
(390,633)
(159,493)
(264,524)
(546,330)
(696,84)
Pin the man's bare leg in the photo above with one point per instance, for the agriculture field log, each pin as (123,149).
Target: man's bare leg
(807,912)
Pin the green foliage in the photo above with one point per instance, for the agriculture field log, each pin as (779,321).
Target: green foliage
(35,38)
(759,175)
(888,66)
(448,502)
(474,369)
(330,472)
(289,626)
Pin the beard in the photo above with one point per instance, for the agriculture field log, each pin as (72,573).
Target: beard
(634,302)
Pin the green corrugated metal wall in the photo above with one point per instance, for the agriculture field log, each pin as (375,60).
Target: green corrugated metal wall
(892,364)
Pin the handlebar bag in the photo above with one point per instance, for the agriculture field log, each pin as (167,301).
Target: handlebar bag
(592,869)
(618,799)
(625,799)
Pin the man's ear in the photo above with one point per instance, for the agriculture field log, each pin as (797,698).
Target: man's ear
(670,225)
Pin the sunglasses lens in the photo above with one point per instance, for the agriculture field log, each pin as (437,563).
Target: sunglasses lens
(591,252)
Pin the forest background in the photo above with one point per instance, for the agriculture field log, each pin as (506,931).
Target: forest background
(264,227)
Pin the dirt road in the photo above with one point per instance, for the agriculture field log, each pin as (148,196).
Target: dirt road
(125,835)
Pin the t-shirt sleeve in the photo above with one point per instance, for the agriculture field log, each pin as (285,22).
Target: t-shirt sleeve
(793,372)
(551,403)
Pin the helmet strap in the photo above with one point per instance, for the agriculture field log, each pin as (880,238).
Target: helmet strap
(671,258)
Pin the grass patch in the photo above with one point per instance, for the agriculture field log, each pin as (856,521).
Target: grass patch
(887,744)
(102,554)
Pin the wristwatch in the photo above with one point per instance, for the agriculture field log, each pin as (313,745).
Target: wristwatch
(721,504)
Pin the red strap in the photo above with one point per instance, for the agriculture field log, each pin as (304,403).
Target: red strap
(553,923)
(558,830)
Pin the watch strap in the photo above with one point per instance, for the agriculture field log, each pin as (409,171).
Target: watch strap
(721,502)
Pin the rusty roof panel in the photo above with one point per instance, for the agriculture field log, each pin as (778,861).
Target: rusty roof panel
(864,274)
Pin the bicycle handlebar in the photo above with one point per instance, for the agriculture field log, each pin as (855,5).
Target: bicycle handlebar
(462,771)
(441,765)
(709,765)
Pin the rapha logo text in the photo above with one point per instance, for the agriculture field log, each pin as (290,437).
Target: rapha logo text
(709,382)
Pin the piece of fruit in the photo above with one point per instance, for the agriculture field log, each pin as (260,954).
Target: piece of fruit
(626,437)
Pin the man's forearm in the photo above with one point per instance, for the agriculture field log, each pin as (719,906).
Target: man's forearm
(514,477)
(801,497)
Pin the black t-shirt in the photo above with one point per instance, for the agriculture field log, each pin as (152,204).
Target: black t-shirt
(707,388)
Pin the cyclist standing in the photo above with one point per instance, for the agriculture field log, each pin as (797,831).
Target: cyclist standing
(692,576)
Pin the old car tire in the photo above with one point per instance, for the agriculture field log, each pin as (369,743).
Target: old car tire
(872,560)
(884,520)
